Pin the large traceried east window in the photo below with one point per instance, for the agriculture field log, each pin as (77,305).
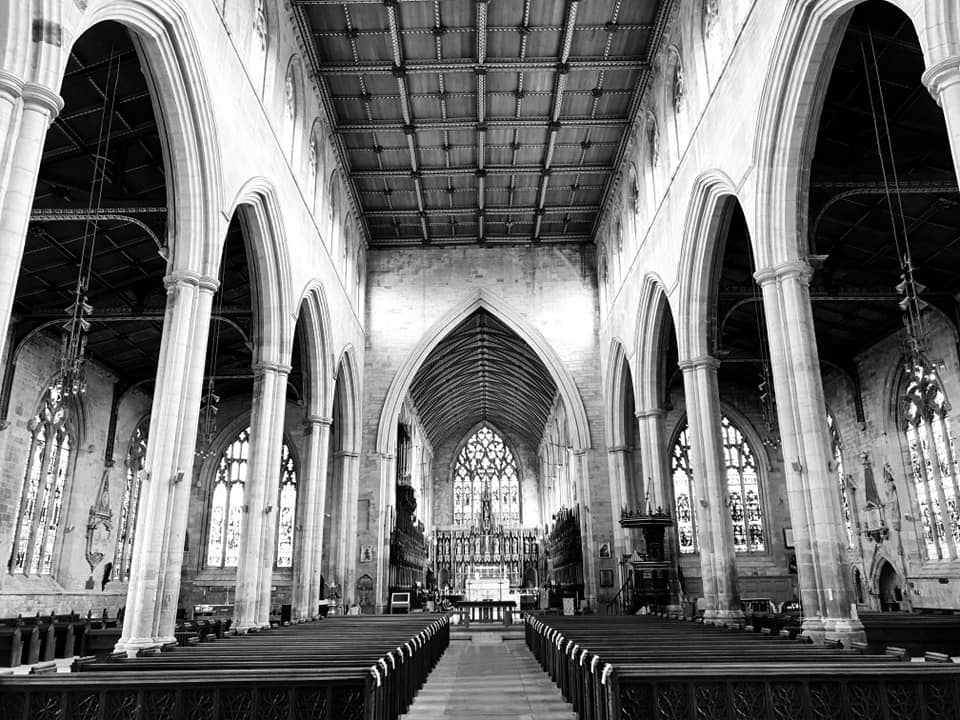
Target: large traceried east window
(132,483)
(226,505)
(837,447)
(41,499)
(486,463)
(743,490)
(933,461)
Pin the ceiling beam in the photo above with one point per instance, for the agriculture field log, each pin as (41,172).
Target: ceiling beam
(465,124)
(488,169)
(469,66)
(463,211)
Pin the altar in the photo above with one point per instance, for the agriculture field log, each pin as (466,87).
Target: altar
(498,589)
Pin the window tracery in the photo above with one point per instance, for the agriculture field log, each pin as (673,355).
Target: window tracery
(227,505)
(41,500)
(132,483)
(743,490)
(933,461)
(486,463)
(837,447)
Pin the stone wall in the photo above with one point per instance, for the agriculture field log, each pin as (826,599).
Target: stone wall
(66,588)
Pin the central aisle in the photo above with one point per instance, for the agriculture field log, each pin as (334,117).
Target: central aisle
(486,680)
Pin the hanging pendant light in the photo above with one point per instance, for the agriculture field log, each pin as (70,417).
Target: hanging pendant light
(73,346)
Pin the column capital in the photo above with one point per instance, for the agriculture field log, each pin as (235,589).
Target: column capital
(41,95)
(799,269)
(186,278)
(941,75)
(265,366)
(10,84)
(655,412)
(698,363)
(346,453)
(311,420)
(617,449)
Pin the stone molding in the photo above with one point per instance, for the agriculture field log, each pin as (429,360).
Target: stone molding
(187,278)
(799,269)
(938,77)
(44,97)
(698,363)
(655,412)
(265,366)
(312,420)
(10,84)
(617,449)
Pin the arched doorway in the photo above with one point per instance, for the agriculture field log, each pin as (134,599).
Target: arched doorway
(890,588)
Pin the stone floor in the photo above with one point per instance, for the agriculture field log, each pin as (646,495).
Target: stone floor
(489,678)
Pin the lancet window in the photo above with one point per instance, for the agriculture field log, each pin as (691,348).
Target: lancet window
(743,490)
(132,483)
(837,448)
(227,503)
(41,499)
(933,461)
(486,464)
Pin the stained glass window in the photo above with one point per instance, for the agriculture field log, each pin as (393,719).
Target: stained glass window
(682,472)
(42,496)
(486,463)
(743,490)
(226,506)
(844,496)
(288,507)
(933,461)
(132,482)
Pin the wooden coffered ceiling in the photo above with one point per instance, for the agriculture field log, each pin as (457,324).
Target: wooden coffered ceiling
(481,121)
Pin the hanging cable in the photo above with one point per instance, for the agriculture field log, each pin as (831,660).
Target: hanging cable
(74,341)
(911,305)
(210,404)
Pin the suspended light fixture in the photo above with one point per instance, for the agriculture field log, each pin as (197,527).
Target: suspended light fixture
(73,347)
(210,402)
(916,347)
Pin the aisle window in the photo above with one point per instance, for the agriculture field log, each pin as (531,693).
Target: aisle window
(743,490)
(837,448)
(933,461)
(227,502)
(132,483)
(41,498)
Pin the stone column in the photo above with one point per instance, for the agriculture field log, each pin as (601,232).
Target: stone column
(24,131)
(714,532)
(826,588)
(260,497)
(386,501)
(620,497)
(193,392)
(307,563)
(580,478)
(943,82)
(659,485)
(155,576)
(350,467)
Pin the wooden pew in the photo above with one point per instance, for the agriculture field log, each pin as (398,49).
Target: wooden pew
(10,646)
(379,662)
(613,668)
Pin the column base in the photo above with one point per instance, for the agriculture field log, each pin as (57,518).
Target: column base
(729,618)
(846,630)
(709,616)
(814,629)
(133,646)
(242,628)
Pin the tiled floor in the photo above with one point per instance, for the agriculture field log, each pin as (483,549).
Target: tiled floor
(486,680)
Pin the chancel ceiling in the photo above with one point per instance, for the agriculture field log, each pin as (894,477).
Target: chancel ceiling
(482,121)
(483,372)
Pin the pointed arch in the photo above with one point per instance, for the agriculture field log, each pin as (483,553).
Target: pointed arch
(293,107)
(620,388)
(348,391)
(707,212)
(170,57)
(789,116)
(482,299)
(654,318)
(317,361)
(269,270)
